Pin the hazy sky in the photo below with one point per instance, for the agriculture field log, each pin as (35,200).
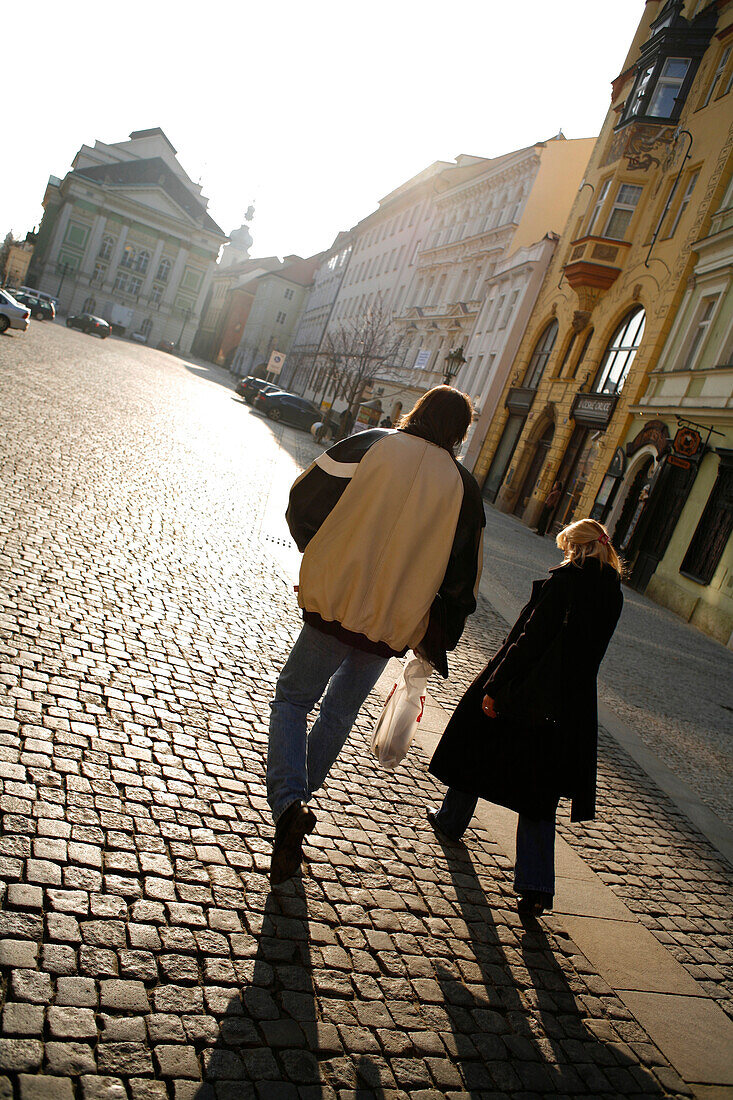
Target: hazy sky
(314,111)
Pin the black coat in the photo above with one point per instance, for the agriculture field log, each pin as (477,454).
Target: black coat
(528,766)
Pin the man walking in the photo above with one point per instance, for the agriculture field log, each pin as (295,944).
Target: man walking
(390,527)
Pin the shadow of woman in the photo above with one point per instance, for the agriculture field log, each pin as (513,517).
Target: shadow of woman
(270,1045)
(521,1022)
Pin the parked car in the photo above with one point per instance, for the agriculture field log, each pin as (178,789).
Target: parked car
(87,322)
(34,293)
(13,314)
(287,407)
(41,308)
(249,387)
(166,345)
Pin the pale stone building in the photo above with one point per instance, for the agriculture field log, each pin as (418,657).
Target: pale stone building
(273,317)
(481,266)
(317,310)
(126,235)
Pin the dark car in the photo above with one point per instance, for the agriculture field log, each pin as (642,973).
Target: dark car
(87,322)
(287,407)
(40,309)
(166,345)
(248,388)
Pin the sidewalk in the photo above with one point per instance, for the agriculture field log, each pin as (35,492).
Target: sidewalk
(650,928)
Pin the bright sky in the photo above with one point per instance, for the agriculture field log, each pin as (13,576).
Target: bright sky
(314,111)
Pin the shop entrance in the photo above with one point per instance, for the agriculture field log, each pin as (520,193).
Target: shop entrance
(535,468)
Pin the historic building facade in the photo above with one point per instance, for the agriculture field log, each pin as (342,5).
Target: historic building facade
(659,172)
(273,317)
(484,210)
(126,235)
(308,336)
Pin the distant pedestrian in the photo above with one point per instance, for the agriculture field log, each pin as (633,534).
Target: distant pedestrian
(551,502)
(525,733)
(385,422)
(390,527)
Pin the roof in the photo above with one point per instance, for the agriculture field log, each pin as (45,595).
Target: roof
(297,270)
(154,132)
(151,172)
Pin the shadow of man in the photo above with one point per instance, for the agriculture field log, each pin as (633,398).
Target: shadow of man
(520,1022)
(270,1045)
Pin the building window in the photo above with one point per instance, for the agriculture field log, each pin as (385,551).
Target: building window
(135,285)
(507,315)
(89,306)
(540,355)
(289,293)
(146,327)
(120,281)
(164,270)
(143,259)
(99,272)
(713,530)
(583,350)
(598,207)
(702,324)
(280,317)
(128,256)
(623,211)
(105,248)
(668,87)
(684,203)
(155,295)
(620,353)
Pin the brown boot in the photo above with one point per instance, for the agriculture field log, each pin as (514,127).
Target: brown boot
(291,828)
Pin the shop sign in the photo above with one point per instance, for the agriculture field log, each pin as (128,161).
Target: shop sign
(618,464)
(678,460)
(594,410)
(654,433)
(519,400)
(423,358)
(687,442)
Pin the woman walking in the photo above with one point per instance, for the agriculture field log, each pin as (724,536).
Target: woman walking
(551,502)
(525,733)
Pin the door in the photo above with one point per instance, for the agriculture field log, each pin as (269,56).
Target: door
(535,468)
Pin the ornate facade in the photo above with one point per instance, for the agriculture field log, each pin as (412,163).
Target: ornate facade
(126,235)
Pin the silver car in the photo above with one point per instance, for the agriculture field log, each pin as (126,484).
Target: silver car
(12,313)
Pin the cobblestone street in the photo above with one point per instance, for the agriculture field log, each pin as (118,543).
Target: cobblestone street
(146,607)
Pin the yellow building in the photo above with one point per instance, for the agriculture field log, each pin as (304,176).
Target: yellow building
(658,174)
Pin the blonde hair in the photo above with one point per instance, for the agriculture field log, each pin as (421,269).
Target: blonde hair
(587,538)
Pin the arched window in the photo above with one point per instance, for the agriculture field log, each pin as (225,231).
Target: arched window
(540,355)
(146,326)
(89,305)
(620,353)
(128,256)
(164,270)
(143,259)
(105,249)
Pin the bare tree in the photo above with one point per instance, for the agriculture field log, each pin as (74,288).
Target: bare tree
(359,350)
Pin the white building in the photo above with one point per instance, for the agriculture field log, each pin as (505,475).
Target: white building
(126,235)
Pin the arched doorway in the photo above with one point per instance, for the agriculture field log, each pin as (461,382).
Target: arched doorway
(535,468)
(633,504)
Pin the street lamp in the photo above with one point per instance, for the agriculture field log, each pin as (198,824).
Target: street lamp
(187,317)
(454,360)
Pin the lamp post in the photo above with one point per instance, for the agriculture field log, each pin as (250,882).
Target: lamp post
(454,360)
(63,268)
(186,319)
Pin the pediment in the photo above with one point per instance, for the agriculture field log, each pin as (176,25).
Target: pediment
(153,198)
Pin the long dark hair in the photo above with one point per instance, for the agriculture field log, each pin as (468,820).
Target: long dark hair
(442,416)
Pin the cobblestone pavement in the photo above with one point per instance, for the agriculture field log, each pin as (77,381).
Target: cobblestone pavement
(668,681)
(145,609)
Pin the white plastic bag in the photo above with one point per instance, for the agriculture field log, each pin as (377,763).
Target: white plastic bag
(403,710)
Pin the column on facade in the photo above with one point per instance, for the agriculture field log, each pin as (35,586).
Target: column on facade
(92,248)
(175,276)
(114,260)
(59,233)
(152,269)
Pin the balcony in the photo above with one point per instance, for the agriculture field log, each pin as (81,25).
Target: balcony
(520,399)
(594,265)
(594,410)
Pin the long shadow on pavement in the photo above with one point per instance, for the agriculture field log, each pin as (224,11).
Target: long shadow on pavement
(524,1032)
(270,1043)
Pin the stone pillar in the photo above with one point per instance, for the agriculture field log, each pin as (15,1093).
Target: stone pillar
(95,239)
(175,276)
(152,269)
(114,261)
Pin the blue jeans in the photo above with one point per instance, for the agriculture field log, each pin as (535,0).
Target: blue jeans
(535,864)
(298,762)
